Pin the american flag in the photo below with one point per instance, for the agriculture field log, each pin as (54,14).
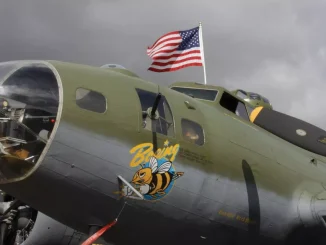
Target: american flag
(176,50)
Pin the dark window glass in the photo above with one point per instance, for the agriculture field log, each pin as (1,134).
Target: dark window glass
(192,132)
(164,123)
(90,100)
(234,105)
(204,94)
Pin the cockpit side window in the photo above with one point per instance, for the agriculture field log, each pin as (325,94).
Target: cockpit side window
(164,122)
(90,100)
(234,105)
(249,109)
(192,132)
(241,94)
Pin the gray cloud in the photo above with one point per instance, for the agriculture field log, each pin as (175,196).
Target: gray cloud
(273,47)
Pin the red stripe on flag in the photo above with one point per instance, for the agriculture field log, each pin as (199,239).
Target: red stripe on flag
(165,41)
(170,33)
(175,55)
(172,62)
(167,45)
(164,52)
(176,50)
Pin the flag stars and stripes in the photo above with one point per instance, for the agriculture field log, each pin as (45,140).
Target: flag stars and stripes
(176,50)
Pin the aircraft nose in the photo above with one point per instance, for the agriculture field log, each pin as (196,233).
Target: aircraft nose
(29,100)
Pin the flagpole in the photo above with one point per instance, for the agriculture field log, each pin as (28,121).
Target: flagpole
(202,49)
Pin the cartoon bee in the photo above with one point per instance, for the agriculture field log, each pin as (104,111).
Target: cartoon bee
(154,180)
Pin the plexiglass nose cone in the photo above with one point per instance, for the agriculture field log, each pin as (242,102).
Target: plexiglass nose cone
(29,99)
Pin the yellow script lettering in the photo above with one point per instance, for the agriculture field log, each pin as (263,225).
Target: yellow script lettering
(140,155)
(175,152)
(144,151)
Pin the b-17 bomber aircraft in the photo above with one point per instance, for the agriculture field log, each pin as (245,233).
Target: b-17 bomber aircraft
(84,146)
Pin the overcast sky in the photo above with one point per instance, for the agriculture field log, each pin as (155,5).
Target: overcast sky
(273,47)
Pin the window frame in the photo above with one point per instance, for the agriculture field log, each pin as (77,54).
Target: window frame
(169,108)
(255,96)
(91,90)
(239,101)
(217,92)
(243,93)
(202,128)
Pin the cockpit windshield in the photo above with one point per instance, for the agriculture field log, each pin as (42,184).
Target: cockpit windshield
(254,96)
(198,93)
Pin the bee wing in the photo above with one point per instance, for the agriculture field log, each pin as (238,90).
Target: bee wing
(153,164)
(164,167)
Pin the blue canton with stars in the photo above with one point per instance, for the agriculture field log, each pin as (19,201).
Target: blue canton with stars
(190,39)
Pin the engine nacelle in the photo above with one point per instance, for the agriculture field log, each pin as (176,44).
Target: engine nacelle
(27,226)
(47,231)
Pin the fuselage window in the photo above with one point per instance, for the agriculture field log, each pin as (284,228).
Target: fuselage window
(90,100)
(192,132)
(234,105)
(164,122)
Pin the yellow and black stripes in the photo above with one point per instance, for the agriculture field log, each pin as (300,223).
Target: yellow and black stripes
(255,113)
(160,182)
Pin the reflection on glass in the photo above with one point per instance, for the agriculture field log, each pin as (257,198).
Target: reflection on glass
(241,94)
(241,111)
(249,109)
(5,68)
(203,94)
(90,100)
(28,110)
(192,132)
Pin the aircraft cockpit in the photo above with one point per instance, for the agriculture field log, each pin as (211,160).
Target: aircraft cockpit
(253,98)
(29,100)
(256,109)
(214,94)
(198,93)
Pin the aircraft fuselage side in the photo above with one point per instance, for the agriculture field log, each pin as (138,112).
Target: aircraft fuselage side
(238,180)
